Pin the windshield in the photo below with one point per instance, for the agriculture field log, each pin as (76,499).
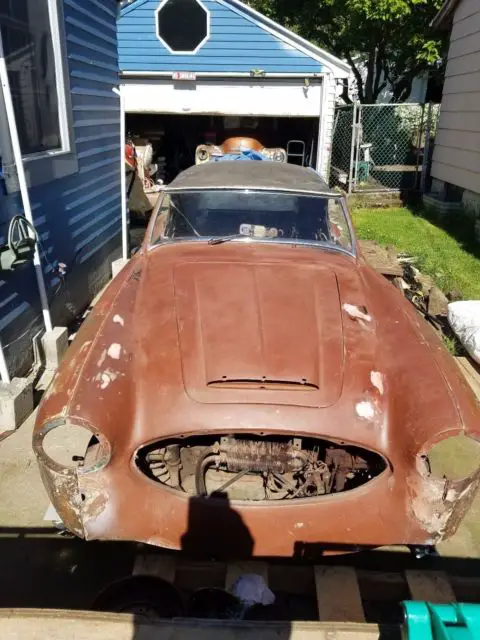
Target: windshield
(264,216)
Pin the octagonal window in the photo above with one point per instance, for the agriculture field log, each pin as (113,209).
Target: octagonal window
(183,25)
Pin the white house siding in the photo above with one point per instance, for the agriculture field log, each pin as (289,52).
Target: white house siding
(456,157)
(330,93)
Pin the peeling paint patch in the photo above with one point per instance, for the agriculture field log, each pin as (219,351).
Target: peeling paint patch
(119,320)
(94,506)
(114,351)
(365,410)
(377,380)
(102,358)
(104,381)
(428,505)
(105,378)
(299,525)
(357,313)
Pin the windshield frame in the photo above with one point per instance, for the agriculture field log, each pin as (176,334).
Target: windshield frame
(340,198)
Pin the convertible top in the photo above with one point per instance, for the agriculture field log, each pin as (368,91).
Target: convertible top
(264,176)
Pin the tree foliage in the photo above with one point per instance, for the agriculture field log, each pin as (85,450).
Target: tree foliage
(391,38)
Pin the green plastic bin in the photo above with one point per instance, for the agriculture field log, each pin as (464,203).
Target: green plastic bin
(426,621)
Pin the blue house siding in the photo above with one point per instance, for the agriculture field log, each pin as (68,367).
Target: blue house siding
(237,44)
(78,218)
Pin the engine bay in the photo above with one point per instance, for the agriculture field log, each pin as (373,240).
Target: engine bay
(256,469)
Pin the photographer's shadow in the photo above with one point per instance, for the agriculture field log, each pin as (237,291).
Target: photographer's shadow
(215,530)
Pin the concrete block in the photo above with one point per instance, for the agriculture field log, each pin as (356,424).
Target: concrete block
(16,403)
(55,345)
(441,207)
(471,204)
(117,266)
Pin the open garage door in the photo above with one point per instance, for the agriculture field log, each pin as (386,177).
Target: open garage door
(174,138)
(281,97)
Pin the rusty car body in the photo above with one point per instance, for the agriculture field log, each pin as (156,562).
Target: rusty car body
(238,145)
(249,385)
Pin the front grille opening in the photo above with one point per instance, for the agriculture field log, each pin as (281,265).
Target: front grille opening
(249,468)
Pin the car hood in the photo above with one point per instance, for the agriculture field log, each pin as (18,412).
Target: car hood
(193,339)
(259,333)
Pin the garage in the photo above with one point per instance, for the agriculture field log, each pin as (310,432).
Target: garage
(203,71)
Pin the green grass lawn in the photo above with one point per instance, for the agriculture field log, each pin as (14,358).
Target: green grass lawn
(449,256)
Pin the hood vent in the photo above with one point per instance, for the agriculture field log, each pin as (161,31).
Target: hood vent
(263,384)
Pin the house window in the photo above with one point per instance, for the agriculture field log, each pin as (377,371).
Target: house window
(33,54)
(183,25)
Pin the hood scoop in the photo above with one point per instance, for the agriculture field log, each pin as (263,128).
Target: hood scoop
(263,384)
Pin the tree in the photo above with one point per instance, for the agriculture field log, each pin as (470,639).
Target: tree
(391,39)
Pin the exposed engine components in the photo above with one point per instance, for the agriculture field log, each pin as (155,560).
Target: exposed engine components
(249,468)
(260,456)
(165,465)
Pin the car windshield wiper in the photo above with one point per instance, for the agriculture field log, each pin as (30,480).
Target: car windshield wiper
(225,239)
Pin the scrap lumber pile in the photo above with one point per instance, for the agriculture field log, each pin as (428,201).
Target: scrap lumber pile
(427,298)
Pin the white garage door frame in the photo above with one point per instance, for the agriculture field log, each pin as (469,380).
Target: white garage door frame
(281,96)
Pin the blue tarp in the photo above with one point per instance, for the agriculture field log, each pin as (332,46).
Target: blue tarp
(241,155)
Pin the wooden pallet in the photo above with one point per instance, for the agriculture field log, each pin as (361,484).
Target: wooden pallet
(330,592)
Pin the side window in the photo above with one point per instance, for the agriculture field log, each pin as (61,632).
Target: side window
(183,26)
(33,71)
(33,39)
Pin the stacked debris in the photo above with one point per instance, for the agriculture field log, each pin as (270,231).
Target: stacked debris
(418,288)
(143,184)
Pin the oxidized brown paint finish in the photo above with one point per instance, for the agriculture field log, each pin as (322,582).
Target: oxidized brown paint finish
(182,315)
(232,145)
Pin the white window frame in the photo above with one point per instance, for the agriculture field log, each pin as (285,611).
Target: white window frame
(45,166)
(183,53)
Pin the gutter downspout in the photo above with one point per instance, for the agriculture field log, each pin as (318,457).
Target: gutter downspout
(17,154)
(123,176)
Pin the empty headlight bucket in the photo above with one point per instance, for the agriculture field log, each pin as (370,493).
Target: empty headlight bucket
(449,478)
(455,458)
(280,155)
(70,445)
(203,154)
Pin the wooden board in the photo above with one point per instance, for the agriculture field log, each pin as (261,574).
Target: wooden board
(471,371)
(31,624)
(381,259)
(338,594)
(430,586)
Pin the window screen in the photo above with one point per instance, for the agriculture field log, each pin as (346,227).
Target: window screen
(27,43)
(182,24)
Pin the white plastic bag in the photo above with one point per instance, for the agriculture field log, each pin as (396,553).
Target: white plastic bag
(251,590)
(464,318)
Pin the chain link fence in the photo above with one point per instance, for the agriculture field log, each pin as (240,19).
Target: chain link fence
(382,147)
